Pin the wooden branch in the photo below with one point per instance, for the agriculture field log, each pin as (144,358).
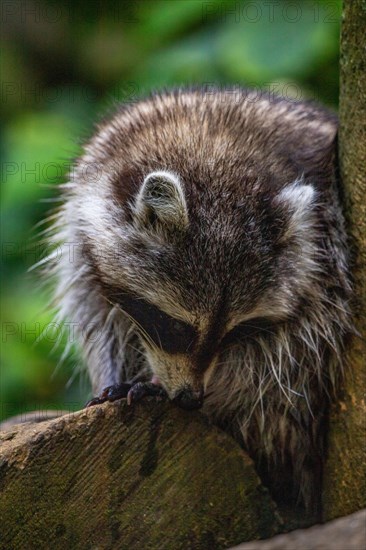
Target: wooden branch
(147,476)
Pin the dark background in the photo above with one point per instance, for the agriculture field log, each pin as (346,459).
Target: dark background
(63,66)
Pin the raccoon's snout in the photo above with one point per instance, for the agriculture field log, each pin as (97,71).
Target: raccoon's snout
(188,399)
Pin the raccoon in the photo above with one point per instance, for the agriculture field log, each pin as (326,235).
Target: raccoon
(204,257)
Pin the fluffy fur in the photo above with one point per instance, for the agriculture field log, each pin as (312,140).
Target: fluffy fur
(221,210)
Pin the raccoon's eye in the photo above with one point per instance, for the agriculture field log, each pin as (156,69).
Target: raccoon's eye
(247,329)
(167,333)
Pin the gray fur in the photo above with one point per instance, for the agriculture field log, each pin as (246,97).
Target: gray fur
(248,225)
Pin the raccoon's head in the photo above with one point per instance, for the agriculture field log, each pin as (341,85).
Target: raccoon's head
(198,267)
(205,222)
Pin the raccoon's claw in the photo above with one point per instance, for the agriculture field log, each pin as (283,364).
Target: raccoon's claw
(133,392)
(144,389)
(110,393)
(94,401)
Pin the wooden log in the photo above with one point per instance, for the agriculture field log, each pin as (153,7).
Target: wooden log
(149,476)
(340,534)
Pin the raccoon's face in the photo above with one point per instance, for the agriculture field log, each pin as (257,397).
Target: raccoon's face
(196,275)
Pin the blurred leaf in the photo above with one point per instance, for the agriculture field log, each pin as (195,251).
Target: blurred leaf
(191,61)
(38,148)
(165,20)
(261,47)
(28,361)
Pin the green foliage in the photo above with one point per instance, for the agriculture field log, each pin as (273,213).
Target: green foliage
(63,66)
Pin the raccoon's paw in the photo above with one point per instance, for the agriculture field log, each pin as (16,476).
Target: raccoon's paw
(110,393)
(145,389)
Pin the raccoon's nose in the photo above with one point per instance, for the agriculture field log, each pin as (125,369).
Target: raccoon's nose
(188,399)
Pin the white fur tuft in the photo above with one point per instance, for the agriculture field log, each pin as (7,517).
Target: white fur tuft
(299,198)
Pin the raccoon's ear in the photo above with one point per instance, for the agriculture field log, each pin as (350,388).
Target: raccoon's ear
(161,201)
(296,202)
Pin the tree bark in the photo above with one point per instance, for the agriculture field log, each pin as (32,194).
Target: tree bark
(345,474)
